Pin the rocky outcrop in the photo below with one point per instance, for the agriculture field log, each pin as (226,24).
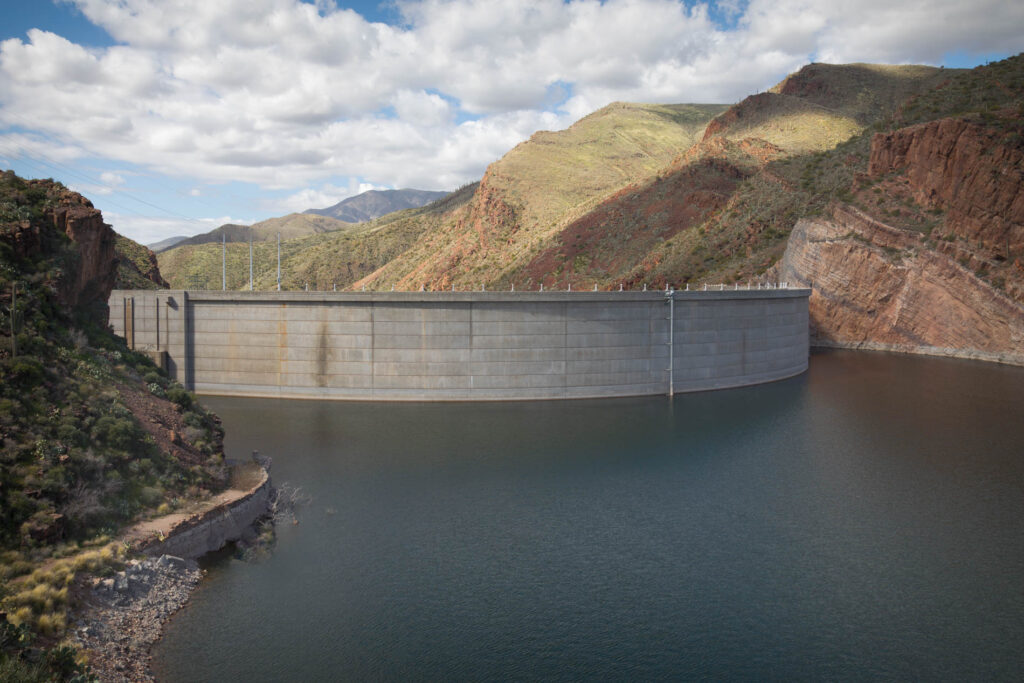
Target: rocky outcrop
(969,171)
(878,287)
(92,277)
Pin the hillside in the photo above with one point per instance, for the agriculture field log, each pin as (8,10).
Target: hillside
(320,260)
(166,244)
(92,435)
(526,198)
(723,209)
(376,203)
(136,266)
(533,191)
(923,248)
(289,227)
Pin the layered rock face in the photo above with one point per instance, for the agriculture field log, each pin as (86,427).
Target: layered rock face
(877,287)
(965,169)
(958,291)
(89,276)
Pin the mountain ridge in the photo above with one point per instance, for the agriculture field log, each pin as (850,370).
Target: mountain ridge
(372,204)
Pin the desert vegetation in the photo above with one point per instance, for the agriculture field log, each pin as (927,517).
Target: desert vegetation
(77,460)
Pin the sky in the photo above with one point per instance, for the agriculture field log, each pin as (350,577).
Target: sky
(176,116)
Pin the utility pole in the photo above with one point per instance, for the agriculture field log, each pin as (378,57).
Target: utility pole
(279,262)
(224,262)
(250,260)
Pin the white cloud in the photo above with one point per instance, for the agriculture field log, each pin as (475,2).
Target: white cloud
(112,179)
(326,195)
(150,229)
(289,95)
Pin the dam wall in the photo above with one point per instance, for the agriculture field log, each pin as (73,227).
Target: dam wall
(466,345)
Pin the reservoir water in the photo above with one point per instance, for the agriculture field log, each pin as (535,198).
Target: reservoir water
(862,521)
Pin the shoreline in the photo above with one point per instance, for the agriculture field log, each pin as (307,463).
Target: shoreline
(119,618)
(122,617)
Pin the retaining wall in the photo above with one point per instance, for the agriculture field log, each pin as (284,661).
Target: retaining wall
(217,527)
(467,345)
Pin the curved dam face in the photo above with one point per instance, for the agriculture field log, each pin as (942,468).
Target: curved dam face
(466,345)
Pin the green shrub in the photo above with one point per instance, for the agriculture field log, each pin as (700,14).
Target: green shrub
(151,496)
(180,396)
(25,371)
(116,432)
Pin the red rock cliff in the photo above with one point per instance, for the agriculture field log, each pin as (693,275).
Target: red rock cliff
(92,276)
(967,170)
(878,287)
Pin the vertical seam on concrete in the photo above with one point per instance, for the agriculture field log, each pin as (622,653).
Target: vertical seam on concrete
(472,345)
(565,349)
(671,343)
(373,347)
(188,344)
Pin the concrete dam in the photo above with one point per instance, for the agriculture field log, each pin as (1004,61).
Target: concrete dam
(433,346)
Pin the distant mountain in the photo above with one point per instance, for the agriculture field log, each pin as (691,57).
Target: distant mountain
(290,226)
(376,203)
(162,245)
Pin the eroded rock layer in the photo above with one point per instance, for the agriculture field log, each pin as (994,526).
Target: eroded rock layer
(878,287)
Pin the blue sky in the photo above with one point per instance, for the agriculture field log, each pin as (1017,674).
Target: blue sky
(175,117)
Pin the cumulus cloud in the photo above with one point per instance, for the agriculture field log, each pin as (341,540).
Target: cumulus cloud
(320,198)
(291,95)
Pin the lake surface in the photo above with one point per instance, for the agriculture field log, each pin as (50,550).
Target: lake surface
(862,521)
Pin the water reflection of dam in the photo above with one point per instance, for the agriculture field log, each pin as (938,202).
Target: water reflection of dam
(466,345)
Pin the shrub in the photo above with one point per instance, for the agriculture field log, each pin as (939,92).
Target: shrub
(151,496)
(26,372)
(180,396)
(117,432)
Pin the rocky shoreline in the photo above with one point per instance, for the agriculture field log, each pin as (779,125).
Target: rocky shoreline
(121,617)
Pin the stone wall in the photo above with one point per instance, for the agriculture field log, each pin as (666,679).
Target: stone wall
(467,345)
(216,527)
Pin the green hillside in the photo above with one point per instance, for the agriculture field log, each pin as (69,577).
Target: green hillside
(84,441)
(136,266)
(541,185)
(320,260)
(288,227)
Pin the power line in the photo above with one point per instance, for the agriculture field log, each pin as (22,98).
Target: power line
(57,166)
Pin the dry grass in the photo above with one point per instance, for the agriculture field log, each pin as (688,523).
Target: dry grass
(39,600)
